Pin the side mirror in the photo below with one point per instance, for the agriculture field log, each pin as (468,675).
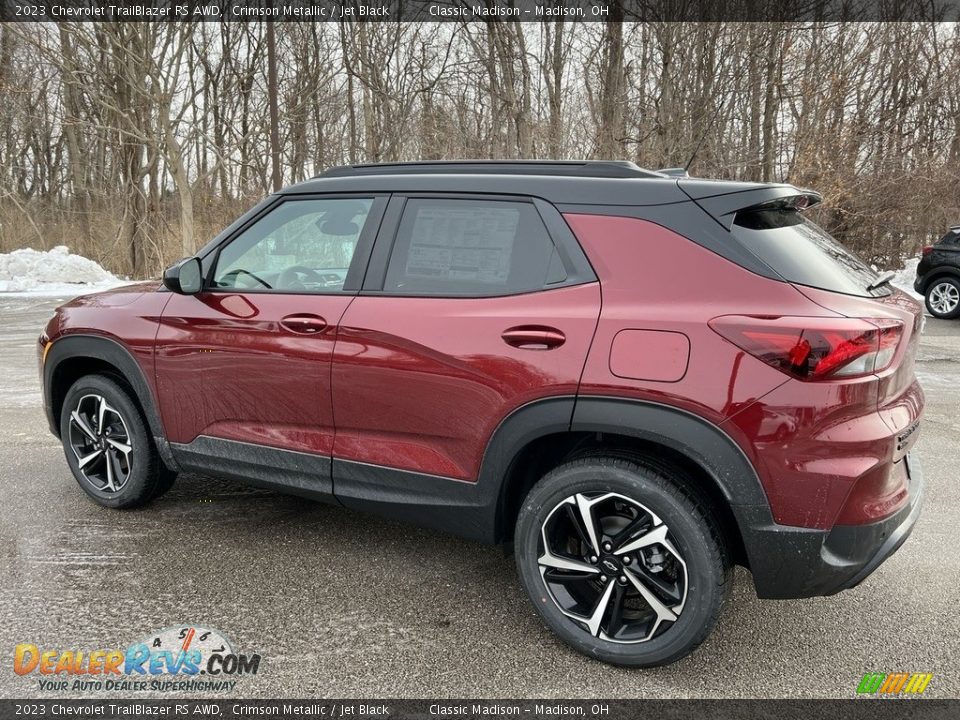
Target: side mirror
(184,277)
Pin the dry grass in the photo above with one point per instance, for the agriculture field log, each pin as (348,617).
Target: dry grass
(42,227)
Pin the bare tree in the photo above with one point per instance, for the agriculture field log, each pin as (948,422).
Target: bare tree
(134,141)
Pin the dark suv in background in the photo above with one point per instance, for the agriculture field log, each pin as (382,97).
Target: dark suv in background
(632,379)
(938,276)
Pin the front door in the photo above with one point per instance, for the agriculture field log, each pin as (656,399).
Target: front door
(243,368)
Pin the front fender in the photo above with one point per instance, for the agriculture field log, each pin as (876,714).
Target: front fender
(102,350)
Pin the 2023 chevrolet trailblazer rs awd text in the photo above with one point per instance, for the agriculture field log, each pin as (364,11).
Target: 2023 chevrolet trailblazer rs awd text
(633,379)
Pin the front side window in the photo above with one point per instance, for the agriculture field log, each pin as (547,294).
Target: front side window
(299,246)
(471,248)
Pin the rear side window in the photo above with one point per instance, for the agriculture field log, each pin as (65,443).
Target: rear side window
(802,252)
(476,248)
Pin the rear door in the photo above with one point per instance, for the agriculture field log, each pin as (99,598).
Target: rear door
(472,307)
(243,367)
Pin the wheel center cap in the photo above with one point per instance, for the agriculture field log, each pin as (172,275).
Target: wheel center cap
(610,565)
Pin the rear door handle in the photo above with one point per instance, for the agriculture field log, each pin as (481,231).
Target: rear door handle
(533,337)
(304,324)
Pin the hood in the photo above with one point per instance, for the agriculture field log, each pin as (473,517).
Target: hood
(115,297)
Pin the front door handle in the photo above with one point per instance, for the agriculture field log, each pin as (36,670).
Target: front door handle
(533,337)
(304,324)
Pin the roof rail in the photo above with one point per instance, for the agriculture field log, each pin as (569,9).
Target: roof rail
(570,168)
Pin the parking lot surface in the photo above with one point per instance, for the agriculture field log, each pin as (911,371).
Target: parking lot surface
(342,604)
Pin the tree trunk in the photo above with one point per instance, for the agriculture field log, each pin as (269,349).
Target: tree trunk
(274,117)
(770,109)
(610,131)
(553,79)
(81,193)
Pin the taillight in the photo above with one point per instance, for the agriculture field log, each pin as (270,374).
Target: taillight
(815,348)
(926,250)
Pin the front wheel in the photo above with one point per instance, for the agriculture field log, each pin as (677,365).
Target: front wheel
(107,445)
(620,562)
(943,298)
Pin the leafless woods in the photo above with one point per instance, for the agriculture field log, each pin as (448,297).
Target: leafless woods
(134,142)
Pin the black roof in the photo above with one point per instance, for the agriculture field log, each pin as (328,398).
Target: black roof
(561,182)
(555,168)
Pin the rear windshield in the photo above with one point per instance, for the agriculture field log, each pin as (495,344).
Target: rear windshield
(802,252)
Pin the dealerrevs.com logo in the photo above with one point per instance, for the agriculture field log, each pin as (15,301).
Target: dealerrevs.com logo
(185,658)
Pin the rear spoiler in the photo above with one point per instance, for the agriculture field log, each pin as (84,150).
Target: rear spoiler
(724,206)
(803,200)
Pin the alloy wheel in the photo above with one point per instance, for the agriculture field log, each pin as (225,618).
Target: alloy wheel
(611,565)
(101,442)
(944,298)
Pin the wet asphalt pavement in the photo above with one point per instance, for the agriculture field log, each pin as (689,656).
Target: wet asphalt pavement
(341,604)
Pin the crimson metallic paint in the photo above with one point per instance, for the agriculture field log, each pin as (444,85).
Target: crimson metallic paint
(421,383)
(812,443)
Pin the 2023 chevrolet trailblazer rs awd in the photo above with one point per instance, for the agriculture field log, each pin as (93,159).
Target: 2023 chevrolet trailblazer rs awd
(633,379)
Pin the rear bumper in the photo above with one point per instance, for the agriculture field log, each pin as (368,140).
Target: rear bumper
(789,562)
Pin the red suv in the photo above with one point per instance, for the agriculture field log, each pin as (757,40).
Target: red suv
(634,380)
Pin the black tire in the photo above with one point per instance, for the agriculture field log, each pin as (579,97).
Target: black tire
(688,527)
(942,290)
(137,476)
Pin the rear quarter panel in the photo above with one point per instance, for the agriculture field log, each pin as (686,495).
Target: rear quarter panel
(653,279)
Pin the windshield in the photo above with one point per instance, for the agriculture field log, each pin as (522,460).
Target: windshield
(802,252)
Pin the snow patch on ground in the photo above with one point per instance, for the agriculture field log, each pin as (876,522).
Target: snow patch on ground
(52,272)
(905,277)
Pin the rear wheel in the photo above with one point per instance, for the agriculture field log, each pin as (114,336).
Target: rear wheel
(107,445)
(943,298)
(620,563)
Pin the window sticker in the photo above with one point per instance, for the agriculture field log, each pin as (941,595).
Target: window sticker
(460,243)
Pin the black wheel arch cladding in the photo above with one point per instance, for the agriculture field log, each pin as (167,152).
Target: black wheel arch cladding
(101,350)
